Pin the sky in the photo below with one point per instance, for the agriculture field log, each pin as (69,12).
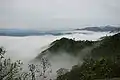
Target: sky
(58,14)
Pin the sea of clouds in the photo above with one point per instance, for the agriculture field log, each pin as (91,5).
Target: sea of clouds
(27,48)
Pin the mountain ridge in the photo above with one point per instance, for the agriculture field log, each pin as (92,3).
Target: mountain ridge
(101,29)
(29,32)
(109,45)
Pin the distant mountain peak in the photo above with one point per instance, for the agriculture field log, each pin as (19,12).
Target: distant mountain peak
(107,28)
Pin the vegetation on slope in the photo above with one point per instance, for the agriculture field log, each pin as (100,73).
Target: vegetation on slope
(66,45)
(110,46)
(103,62)
(104,68)
(107,46)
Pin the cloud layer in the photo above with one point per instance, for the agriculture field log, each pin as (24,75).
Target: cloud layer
(55,14)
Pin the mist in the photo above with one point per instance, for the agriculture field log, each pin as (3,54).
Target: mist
(29,47)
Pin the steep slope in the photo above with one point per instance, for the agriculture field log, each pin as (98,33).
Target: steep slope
(65,45)
(110,46)
(103,65)
(106,47)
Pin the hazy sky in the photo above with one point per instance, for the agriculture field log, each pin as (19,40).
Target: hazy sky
(55,14)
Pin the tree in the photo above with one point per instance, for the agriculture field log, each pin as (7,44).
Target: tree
(8,70)
(13,70)
(41,70)
(45,67)
(92,69)
(61,71)
(32,69)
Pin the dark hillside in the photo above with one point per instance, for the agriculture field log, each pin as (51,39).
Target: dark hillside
(110,46)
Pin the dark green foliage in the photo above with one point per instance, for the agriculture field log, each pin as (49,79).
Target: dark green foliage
(104,61)
(62,71)
(69,46)
(109,46)
(104,68)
